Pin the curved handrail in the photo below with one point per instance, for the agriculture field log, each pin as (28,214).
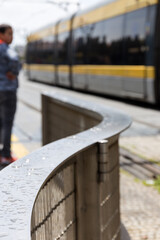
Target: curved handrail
(23,179)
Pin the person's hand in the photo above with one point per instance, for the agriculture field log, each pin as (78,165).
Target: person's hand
(10,76)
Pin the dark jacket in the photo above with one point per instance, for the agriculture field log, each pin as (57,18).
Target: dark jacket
(9,62)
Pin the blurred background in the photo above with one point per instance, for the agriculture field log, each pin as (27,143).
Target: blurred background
(119,63)
(27,16)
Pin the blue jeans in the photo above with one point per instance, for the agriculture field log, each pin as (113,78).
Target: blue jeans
(8,102)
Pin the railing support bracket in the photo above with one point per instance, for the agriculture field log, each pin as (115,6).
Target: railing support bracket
(103,158)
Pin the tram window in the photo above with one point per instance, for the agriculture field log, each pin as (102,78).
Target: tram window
(135,37)
(62,48)
(45,50)
(105,42)
(28,53)
(97,51)
(150,32)
(31,52)
(79,45)
(41,51)
(99,43)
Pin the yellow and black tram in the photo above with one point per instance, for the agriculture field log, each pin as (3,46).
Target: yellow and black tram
(112,48)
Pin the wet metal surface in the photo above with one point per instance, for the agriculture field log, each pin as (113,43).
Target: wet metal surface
(23,179)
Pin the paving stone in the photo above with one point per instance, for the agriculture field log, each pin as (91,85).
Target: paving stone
(140,209)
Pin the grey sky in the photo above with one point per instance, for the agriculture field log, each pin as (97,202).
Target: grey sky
(28,15)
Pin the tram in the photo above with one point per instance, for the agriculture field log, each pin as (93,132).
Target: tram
(112,48)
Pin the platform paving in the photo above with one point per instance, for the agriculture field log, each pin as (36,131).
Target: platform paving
(140,204)
(140,209)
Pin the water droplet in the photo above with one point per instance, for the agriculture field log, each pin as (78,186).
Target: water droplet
(27,160)
(13,220)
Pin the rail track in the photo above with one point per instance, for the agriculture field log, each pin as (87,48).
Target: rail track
(140,168)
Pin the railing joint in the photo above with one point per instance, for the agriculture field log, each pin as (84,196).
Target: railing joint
(103,158)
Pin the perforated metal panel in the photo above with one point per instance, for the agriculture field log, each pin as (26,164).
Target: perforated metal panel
(54,210)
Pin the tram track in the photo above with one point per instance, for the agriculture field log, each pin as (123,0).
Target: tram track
(148,124)
(138,167)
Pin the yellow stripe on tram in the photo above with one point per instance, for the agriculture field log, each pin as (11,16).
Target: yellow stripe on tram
(18,148)
(40,67)
(110,70)
(139,71)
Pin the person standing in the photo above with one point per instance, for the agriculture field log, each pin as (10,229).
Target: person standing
(9,70)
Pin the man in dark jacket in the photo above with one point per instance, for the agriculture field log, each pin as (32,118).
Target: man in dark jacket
(9,70)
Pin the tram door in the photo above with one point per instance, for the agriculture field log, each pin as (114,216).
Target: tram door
(135,53)
(63,55)
(63,69)
(139,51)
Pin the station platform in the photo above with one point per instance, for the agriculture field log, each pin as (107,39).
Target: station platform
(140,204)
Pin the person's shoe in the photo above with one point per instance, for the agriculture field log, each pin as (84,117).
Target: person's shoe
(13,157)
(7,160)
